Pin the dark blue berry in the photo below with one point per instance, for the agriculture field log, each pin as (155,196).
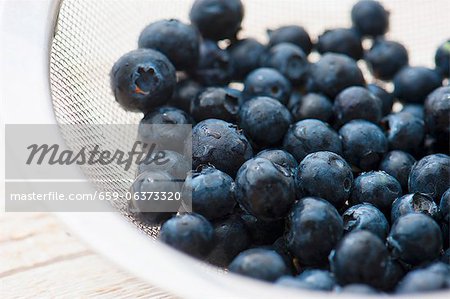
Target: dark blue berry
(366,217)
(217,19)
(442,59)
(314,228)
(404,131)
(185,92)
(262,232)
(256,183)
(178,41)
(214,66)
(211,191)
(319,280)
(325,175)
(259,263)
(264,120)
(215,102)
(415,109)
(360,257)
(356,288)
(342,41)
(415,239)
(444,205)
(398,164)
(363,144)
(437,115)
(279,157)
(231,237)
(377,188)
(387,99)
(414,203)
(309,136)
(267,82)
(289,60)
(291,34)
(245,57)
(312,105)
(189,233)
(171,162)
(221,144)
(335,72)
(430,175)
(370,18)
(142,80)
(421,281)
(413,84)
(357,103)
(386,58)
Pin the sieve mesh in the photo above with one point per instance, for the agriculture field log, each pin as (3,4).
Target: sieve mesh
(91,35)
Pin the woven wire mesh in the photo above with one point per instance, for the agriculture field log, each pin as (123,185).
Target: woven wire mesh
(91,35)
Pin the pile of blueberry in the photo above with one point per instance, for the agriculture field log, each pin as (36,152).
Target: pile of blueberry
(306,177)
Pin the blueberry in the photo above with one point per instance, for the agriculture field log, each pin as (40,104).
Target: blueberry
(259,263)
(444,205)
(442,59)
(262,232)
(415,239)
(377,188)
(312,105)
(189,233)
(211,191)
(342,41)
(366,217)
(335,72)
(393,273)
(160,128)
(279,157)
(175,164)
(404,131)
(257,181)
(430,175)
(264,120)
(231,237)
(437,112)
(293,34)
(414,203)
(360,257)
(315,280)
(422,280)
(413,84)
(142,80)
(215,102)
(325,175)
(320,280)
(357,288)
(309,136)
(370,18)
(178,41)
(387,99)
(289,60)
(217,19)
(415,109)
(185,92)
(267,82)
(221,144)
(385,58)
(398,164)
(245,57)
(357,103)
(214,66)
(314,228)
(363,144)
(155,210)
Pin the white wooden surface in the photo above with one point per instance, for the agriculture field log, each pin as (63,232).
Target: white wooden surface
(39,258)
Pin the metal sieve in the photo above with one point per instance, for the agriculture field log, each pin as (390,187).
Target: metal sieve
(79,40)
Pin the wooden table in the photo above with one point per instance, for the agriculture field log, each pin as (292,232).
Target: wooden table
(39,258)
